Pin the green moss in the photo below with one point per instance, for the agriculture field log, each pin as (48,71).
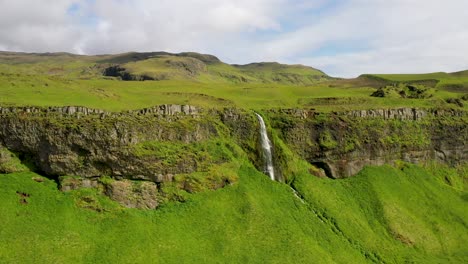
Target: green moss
(10,162)
(327,141)
(106,180)
(350,144)
(169,153)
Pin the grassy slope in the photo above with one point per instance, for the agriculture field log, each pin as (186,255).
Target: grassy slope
(76,80)
(382,214)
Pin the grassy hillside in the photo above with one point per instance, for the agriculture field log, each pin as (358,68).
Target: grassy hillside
(159,66)
(383,215)
(191,78)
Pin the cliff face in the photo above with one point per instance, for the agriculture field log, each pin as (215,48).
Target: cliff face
(142,152)
(343,143)
(135,157)
(92,143)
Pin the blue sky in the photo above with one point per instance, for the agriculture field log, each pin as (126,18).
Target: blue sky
(342,37)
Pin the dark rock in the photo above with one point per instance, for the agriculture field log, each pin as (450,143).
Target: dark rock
(121,72)
(456,101)
(379,93)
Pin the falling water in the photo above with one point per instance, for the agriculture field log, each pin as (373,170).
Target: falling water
(266,147)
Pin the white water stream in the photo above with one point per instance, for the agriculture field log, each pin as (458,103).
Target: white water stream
(266,147)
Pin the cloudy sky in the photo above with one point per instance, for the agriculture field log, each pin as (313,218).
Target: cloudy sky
(342,37)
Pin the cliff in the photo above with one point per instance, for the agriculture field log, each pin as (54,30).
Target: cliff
(342,143)
(146,157)
(163,144)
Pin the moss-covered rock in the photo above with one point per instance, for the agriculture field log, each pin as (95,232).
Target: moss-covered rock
(343,143)
(10,162)
(143,195)
(162,145)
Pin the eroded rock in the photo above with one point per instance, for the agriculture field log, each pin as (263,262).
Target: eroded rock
(142,195)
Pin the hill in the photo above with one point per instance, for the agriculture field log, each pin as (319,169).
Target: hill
(159,66)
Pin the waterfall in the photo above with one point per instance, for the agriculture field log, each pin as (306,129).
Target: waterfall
(266,147)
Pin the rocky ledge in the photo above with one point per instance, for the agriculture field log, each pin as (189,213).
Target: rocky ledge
(165,110)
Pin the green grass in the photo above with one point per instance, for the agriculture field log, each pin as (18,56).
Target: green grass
(382,214)
(410,207)
(414,77)
(119,95)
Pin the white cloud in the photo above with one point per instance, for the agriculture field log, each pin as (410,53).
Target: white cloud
(359,36)
(177,25)
(122,25)
(35,25)
(383,36)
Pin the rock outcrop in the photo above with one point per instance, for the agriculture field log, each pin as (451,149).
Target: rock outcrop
(160,110)
(386,114)
(404,113)
(134,194)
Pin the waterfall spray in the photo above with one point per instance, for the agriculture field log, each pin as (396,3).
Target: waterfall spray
(266,147)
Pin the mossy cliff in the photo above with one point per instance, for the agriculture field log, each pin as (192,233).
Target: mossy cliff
(146,157)
(341,144)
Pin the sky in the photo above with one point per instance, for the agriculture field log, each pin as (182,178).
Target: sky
(344,38)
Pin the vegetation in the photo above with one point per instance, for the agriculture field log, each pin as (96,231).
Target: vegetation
(400,214)
(9,162)
(448,82)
